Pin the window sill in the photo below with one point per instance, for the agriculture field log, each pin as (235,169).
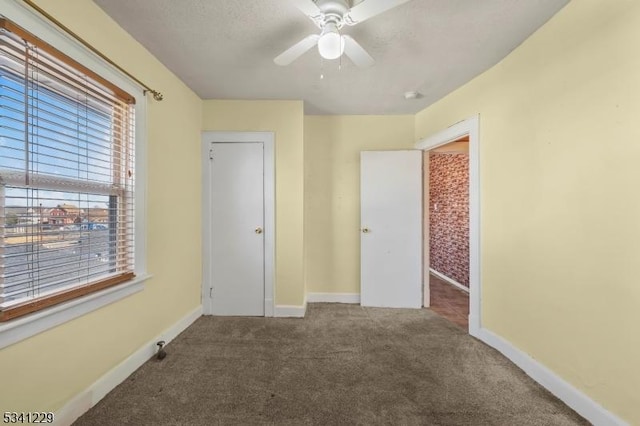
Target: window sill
(22,328)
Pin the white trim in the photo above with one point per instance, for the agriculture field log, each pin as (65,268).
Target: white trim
(82,402)
(290,311)
(567,393)
(140,195)
(267,139)
(269,308)
(451,281)
(352,298)
(24,327)
(470,127)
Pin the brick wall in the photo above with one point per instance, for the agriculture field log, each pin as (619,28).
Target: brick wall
(449,215)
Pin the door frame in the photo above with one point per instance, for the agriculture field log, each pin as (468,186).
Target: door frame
(267,140)
(469,127)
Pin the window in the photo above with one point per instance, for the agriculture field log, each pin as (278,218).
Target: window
(66,177)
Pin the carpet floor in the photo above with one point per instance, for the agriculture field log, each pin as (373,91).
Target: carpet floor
(340,365)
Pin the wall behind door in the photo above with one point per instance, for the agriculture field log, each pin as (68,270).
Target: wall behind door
(332,192)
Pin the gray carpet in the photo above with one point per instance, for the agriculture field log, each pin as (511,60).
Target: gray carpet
(341,365)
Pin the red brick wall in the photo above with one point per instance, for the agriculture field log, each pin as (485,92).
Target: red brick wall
(449,215)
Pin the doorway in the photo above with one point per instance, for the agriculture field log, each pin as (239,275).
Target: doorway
(446,198)
(238,224)
(467,131)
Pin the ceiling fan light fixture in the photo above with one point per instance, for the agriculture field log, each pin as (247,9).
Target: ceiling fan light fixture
(330,44)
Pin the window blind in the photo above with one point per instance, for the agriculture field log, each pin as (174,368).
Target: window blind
(66,177)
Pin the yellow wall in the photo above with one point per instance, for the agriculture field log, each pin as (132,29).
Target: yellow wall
(560,229)
(45,371)
(285,118)
(332,192)
(559,153)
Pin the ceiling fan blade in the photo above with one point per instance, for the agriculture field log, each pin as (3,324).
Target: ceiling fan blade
(356,53)
(370,8)
(308,7)
(297,50)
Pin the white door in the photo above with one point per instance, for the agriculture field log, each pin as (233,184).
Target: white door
(237,222)
(391,228)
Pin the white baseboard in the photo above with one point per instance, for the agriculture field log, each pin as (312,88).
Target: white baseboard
(290,311)
(81,403)
(451,281)
(578,401)
(333,298)
(295,311)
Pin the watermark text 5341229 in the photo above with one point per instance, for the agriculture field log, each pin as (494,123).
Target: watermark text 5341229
(27,417)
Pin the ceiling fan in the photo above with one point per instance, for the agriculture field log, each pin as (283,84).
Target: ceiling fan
(330,16)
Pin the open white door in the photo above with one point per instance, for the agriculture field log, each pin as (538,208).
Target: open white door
(391,228)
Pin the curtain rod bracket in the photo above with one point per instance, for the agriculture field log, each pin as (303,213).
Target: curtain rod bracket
(156,95)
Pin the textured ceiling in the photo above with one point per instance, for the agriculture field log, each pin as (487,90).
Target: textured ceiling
(224,49)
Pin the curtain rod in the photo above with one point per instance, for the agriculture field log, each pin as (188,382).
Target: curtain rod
(156,95)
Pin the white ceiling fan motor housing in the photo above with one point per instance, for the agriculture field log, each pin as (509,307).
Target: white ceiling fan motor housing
(333,11)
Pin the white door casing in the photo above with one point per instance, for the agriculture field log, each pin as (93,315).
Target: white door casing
(469,127)
(391,228)
(238,223)
(426,294)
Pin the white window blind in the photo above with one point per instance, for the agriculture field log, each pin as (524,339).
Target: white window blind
(66,177)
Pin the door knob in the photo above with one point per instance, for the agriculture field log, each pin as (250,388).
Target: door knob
(258,230)
(365,230)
